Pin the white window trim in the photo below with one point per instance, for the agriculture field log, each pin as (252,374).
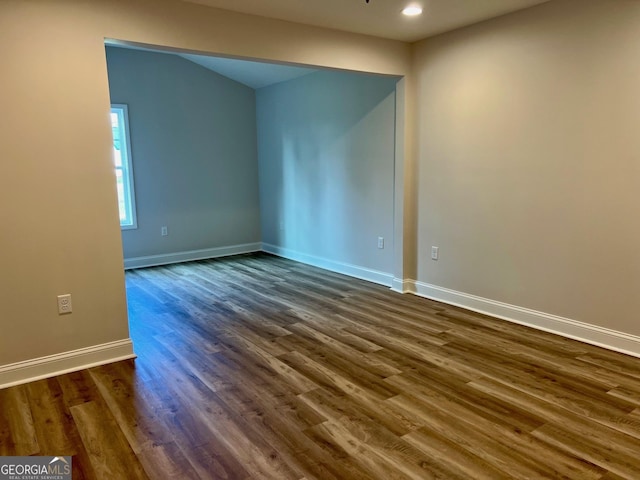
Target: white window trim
(128,167)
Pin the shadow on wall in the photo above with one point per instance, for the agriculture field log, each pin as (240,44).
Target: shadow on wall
(326,147)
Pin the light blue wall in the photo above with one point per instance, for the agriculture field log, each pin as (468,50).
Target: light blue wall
(193,142)
(326,155)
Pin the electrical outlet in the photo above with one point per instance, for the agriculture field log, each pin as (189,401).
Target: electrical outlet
(64,304)
(163,231)
(380,242)
(434,253)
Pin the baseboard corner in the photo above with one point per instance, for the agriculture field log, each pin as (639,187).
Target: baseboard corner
(403,285)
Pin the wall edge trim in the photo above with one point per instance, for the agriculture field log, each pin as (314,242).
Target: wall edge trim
(190,255)
(584,332)
(60,363)
(363,273)
(402,286)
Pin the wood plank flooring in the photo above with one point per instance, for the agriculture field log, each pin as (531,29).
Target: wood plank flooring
(255,367)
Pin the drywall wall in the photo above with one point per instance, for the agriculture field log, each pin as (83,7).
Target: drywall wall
(529,164)
(543,99)
(193,141)
(59,209)
(326,146)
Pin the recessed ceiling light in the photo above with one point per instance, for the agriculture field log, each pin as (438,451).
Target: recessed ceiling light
(412,10)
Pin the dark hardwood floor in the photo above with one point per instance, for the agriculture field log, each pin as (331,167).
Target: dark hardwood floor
(255,367)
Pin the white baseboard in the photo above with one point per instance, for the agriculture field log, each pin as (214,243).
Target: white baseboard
(191,255)
(566,327)
(61,363)
(403,286)
(356,271)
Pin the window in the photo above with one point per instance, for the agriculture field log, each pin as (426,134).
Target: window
(124,168)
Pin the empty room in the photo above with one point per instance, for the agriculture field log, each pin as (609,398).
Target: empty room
(346,239)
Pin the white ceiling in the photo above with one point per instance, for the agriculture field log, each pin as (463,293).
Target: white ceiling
(252,74)
(381,18)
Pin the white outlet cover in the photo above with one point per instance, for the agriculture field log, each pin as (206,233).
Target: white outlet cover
(64,304)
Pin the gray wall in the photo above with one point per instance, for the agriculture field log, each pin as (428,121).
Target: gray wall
(193,142)
(326,154)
